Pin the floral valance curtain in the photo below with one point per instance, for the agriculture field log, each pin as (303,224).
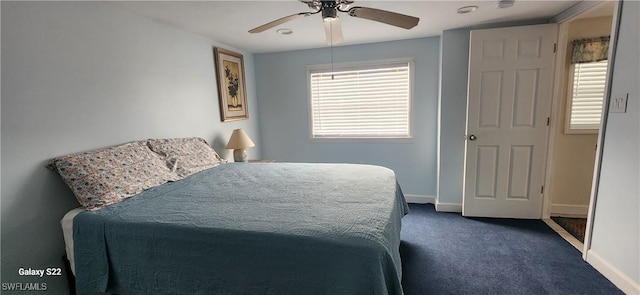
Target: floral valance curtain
(590,50)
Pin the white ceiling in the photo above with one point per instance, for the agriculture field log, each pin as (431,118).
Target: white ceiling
(228,22)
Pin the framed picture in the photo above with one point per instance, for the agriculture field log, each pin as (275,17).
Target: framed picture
(232,92)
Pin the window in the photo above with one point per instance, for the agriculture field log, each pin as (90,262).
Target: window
(370,100)
(588,80)
(586,97)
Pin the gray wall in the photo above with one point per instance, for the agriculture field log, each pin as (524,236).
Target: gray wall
(78,76)
(616,228)
(281,83)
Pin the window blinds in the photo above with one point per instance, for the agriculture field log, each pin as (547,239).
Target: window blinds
(587,94)
(361,102)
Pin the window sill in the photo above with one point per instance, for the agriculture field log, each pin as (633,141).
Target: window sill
(360,140)
(581,131)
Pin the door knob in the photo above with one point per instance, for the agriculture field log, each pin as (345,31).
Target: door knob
(472,137)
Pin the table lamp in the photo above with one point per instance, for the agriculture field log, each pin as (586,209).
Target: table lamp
(239,141)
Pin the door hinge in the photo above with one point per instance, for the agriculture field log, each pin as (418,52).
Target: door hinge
(548,121)
(542,189)
(555,47)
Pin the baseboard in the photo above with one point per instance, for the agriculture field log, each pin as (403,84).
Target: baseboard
(564,234)
(618,278)
(569,210)
(448,207)
(420,199)
(556,209)
(441,207)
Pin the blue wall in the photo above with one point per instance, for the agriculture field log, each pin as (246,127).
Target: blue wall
(616,222)
(452,118)
(78,76)
(281,86)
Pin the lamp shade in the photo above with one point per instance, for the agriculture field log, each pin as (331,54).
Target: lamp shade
(239,140)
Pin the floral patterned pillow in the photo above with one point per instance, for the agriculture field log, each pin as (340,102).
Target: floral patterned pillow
(186,156)
(107,176)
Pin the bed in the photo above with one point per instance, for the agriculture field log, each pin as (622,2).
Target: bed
(239,228)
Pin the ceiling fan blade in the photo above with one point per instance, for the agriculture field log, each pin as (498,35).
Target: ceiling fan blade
(277,22)
(384,16)
(333,31)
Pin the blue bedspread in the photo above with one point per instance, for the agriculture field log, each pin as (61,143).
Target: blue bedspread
(277,228)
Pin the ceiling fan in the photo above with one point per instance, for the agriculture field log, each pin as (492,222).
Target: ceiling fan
(330,9)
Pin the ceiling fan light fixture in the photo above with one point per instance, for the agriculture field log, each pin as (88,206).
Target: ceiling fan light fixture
(467,9)
(329,14)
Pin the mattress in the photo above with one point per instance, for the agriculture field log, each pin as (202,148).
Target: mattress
(67,231)
(280,228)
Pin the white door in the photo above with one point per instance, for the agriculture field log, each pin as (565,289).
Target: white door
(509,96)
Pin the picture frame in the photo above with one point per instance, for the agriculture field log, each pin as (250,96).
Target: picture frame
(232,92)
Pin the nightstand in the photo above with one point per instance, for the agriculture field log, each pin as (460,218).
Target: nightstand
(261,161)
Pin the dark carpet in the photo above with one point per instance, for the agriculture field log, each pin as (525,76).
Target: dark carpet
(575,226)
(445,253)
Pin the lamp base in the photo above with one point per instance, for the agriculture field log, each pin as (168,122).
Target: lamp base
(240,155)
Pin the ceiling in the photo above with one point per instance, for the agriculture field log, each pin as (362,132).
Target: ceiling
(228,22)
(605,9)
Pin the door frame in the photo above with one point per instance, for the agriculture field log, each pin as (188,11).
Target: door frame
(557,99)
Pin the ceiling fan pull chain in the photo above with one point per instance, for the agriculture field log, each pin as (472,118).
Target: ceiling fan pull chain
(331,48)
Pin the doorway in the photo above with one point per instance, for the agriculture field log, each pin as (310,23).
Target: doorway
(572,151)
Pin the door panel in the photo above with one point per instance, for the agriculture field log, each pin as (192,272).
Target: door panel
(488,163)
(520,172)
(524,111)
(510,78)
(490,94)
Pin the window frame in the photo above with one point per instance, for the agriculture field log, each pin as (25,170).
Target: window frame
(362,64)
(569,104)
